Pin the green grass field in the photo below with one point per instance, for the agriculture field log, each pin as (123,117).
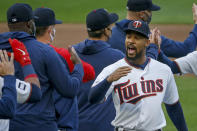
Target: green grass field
(74,11)
(187,92)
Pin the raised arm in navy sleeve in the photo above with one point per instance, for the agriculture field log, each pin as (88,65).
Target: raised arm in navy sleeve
(59,76)
(164,59)
(8,99)
(179,49)
(152,51)
(97,93)
(175,113)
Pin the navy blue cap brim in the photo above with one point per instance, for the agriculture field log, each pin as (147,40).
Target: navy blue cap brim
(128,30)
(155,7)
(113,17)
(58,22)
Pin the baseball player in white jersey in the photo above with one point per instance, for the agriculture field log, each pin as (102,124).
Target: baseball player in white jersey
(138,85)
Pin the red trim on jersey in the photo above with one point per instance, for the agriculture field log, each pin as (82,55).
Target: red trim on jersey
(29,94)
(30,76)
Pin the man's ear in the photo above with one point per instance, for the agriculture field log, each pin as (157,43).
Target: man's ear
(147,43)
(28,24)
(49,29)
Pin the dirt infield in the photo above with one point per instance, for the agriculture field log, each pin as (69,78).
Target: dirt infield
(67,34)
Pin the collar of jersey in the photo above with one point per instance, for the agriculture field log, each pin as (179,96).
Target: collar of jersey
(138,66)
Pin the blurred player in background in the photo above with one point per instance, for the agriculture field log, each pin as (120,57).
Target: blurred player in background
(66,108)
(97,52)
(39,116)
(142,10)
(26,91)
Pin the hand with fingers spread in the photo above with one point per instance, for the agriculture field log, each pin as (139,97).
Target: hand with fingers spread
(118,73)
(20,52)
(6,64)
(194,10)
(74,57)
(155,37)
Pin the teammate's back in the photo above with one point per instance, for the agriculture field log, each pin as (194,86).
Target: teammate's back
(98,53)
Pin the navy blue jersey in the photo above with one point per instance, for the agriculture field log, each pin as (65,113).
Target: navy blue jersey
(170,47)
(66,109)
(52,75)
(96,117)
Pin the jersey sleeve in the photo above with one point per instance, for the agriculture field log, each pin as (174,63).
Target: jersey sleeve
(179,49)
(171,94)
(103,75)
(188,63)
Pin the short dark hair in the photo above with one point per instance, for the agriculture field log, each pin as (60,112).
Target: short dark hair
(96,34)
(40,31)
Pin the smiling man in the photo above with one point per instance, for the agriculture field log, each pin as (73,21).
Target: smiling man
(139,85)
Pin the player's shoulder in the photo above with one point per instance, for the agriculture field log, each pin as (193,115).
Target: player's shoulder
(194,53)
(159,66)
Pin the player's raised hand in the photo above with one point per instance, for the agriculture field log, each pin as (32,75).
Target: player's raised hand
(194,10)
(118,73)
(20,52)
(155,37)
(6,64)
(73,55)
(158,37)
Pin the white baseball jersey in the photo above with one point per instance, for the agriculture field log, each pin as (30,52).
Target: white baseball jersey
(23,92)
(188,64)
(138,96)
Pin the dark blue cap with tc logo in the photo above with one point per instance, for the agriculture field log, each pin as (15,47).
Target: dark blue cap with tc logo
(20,12)
(100,19)
(141,5)
(46,17)
(140,27)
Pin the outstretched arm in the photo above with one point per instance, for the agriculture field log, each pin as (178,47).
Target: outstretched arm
(172,64)
(179,49)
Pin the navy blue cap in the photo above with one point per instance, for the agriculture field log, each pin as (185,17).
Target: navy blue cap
(141,5)
(46,17)
(100,19)
(140,27)
(20,12)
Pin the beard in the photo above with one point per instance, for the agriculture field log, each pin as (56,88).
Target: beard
(137,56)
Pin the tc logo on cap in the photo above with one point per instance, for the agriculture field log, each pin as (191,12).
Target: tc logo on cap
(137,24)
